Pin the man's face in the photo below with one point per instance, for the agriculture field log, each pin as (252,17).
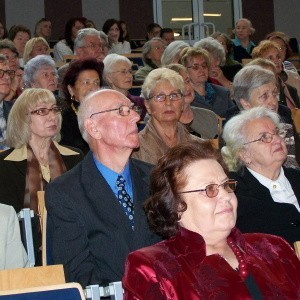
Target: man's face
(93,48)
(4,81)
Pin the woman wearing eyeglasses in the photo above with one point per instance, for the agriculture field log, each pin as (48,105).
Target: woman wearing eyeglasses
(82,77)
(268,193)
(163,91)
(204,256)
(117,74)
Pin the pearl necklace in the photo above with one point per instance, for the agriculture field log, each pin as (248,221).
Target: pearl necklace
(242,268)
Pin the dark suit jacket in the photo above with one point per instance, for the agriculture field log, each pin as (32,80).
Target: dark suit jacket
(13,178)
(7,105)
(91,235)
(257,212)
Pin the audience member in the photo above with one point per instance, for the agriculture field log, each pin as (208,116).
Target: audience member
(6,76)
(152,53)
(20,35)
(12,252)
(9,50)
(118,75)
(124,27)
(43,28)
(66,45)
(153,30)
(82,78)
(268,193)
(205,256)
(172,52)
(92,232)
(163,91)
(114,31)
(242,45)
(90,24)
(3,31)
(207,95)
(167,34)
(35,46)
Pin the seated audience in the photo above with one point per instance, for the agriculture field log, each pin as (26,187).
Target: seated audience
(231,66)
(6,77)
(268,193)
(12,252)
(152,53)
(20,35)
(125,31)
(112,28)
(205,256)
(117,74)
(82,77)
(242,44)
(92,227)
(3,31)
(167,34)
(9,50)
(34,158)
(66,45)
(43,28)
(153,30)
(254,86)
(288,94)
(34,47)
(172,52)
(163,91)
(207,95)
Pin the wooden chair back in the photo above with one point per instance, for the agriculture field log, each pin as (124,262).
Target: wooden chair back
(297,248)
(296,118)
(43,222)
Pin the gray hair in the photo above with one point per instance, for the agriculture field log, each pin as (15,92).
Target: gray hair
(252,30)
(248,79)
(148,47)
(213,47)
(82,33)
(172,50)
(111,60)
(160,75)
(34,65)
(18,123)
(234,134)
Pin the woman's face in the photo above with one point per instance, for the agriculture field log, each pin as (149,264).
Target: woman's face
(20,41)
(168,110)
(282,47)
(87,81)
(266,95)
(45,78)
(114,33)
(40,48)
(120,78)
(198,70)
(77,26)
(222,41)
(209,217)
(46,29)
(189,94)
(44,126)
(263,156)
(273,54)
(12,57)
(242,30)
(156,52)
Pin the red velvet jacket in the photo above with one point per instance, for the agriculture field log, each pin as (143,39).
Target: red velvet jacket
(179,269)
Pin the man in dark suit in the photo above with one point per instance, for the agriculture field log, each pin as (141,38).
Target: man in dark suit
(91,232)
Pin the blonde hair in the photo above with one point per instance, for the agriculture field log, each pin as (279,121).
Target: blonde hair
(29,47)
(263,47)
(18,123)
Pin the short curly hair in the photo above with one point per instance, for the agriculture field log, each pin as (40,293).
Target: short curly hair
(165,205)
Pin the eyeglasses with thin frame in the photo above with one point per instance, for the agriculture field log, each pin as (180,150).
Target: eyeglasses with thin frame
(43,111)
(196,67)
(163,97)
(124,72)
(123,110)
(267,137)
(212,190)
(10,73)
(265,96)
(95,46)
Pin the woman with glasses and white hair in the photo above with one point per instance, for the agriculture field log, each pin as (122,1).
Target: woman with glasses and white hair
(268,193)
(117,73)
(204,256)
(207,95)
(163,91)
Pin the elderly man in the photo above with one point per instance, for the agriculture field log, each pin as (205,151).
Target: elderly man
(6,75)
(95,211)
(89,43)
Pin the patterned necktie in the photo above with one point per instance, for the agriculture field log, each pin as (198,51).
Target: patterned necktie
(125,200)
